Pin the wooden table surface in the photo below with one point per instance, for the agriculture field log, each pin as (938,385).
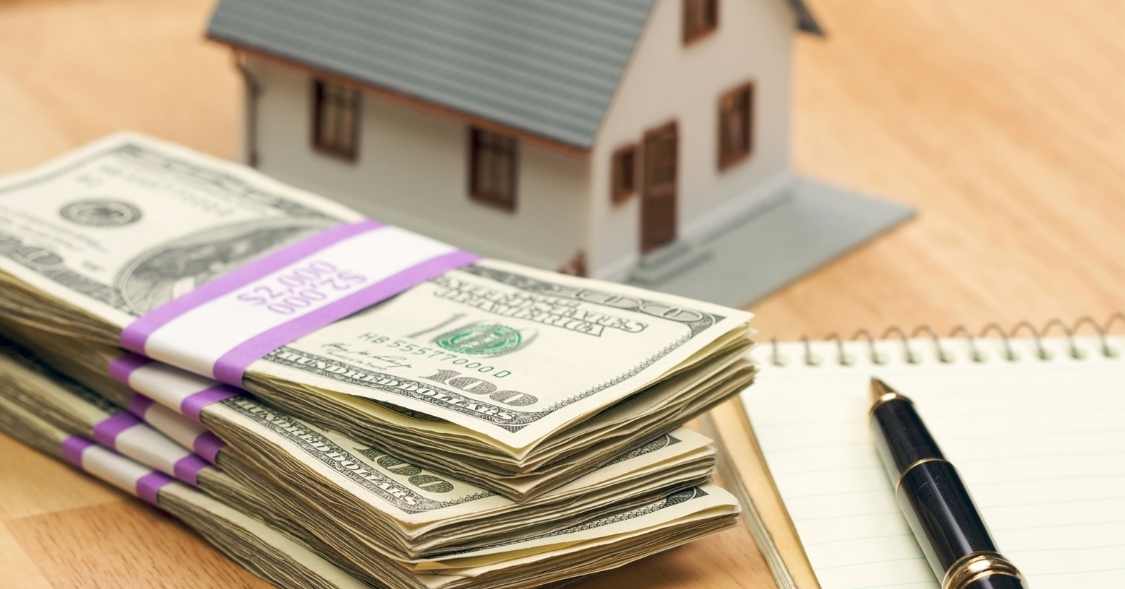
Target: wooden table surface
(1000,121)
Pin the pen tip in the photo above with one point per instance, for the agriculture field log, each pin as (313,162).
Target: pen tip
(878,389)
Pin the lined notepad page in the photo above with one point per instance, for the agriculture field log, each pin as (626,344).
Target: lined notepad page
(1040,445)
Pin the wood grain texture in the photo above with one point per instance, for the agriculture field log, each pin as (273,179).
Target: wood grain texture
(998,120)
(123,544)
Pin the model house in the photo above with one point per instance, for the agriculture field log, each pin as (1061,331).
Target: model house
(588,133)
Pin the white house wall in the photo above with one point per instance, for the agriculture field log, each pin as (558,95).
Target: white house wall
(667,80)
(411,172)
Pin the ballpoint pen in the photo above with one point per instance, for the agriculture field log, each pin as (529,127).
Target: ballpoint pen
(933,499)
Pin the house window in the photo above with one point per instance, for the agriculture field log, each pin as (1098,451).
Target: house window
(701,17)
(623,175)
(493,159)
(335,128)
(736,125)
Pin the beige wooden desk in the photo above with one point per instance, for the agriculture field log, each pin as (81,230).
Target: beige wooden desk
(1001,121)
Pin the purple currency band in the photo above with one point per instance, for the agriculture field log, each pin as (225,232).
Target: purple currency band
(134,336)
(73,447)
(207,446)
(140,404)
(148,485)
(187,469)
(231,366)
(121,367)
(193,404)
(107,430)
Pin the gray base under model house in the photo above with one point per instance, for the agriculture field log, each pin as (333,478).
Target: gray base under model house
(623,139)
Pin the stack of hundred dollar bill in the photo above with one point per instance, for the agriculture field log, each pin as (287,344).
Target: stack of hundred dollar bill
(489,425)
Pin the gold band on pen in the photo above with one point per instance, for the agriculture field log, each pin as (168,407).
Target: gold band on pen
(890,395)
(913,465)
(976,566)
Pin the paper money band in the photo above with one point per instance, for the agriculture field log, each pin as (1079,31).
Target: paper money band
(114,468)
(220,328)
(73,447)
(207,446)
(123,432)
(184,393)
(107,430)
(186,433)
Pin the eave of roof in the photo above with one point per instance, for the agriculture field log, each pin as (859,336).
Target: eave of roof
(555,144)
(806,20)
(565,137)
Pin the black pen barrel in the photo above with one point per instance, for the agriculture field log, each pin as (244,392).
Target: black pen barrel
(901,437)
(942,515)
(934,500)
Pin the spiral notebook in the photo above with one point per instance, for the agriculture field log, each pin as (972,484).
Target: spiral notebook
(1035,425)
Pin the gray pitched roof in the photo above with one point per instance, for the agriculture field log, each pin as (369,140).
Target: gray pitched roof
(546,67)
(806,20)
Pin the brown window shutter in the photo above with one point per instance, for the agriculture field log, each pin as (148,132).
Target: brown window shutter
(736,125)
(493,168)
(700,18)
(335,119)
(623,173)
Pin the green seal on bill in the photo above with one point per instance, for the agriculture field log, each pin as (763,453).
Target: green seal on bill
(481,339)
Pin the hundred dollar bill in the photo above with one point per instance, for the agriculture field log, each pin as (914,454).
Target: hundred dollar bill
(512,378)
(395,509)
(599,544)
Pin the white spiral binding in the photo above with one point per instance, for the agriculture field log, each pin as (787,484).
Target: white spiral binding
(1022,330)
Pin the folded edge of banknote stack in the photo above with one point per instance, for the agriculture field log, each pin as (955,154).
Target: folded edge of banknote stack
(330,417)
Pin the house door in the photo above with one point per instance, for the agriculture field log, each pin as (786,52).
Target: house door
(658,197)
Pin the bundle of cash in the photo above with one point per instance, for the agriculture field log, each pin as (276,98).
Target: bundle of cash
(63,418)
(261,549)
(374,505)
(515,380)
